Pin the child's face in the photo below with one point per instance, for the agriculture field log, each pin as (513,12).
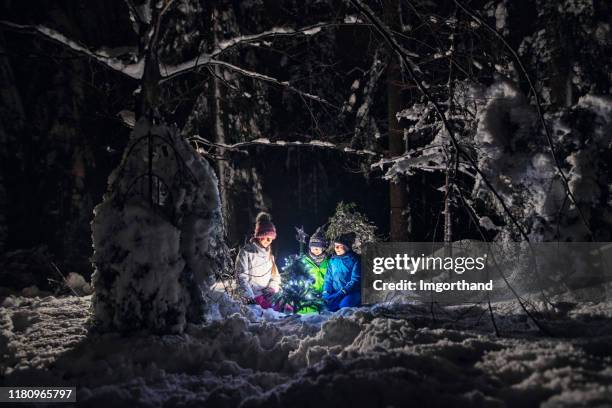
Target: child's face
(265,241)
(316,251)
(339,249)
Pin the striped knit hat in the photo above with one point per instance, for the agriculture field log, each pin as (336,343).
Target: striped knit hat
(318,239)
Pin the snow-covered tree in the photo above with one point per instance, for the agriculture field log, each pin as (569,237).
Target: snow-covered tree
(481,119)
(158,235)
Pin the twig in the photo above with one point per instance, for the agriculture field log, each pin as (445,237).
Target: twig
(63,278)
(266,78)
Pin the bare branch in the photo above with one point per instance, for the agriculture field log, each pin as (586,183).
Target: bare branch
(157,18)
(166,7)
(134,70)
(274,32)
(282,143)
(265,78)
(170,72)
(425,162)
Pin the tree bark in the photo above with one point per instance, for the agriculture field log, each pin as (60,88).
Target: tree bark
(219,122)
(398,189)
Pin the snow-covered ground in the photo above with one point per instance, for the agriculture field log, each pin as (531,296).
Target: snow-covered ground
(375,357)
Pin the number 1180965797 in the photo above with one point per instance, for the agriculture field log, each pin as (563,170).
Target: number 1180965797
(37,394)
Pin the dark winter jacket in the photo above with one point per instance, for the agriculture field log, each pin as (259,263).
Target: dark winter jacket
(343,274)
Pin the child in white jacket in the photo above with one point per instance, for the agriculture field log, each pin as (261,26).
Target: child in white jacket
(256,271)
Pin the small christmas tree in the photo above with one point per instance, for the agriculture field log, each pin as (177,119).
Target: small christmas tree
(297,290)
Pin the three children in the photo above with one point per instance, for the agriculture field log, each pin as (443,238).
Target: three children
(338,278)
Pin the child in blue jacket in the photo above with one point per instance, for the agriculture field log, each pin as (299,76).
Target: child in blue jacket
(342,286)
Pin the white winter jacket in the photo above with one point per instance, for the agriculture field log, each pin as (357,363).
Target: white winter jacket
(255,270)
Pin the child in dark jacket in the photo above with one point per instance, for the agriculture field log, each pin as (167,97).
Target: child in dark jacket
(342,286)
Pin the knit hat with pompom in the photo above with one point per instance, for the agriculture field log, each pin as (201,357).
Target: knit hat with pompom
(264,227)
(318,239)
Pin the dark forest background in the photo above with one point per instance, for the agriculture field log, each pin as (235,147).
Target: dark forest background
(65,118)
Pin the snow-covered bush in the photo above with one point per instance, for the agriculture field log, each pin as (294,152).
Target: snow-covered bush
(513,153)
(157,236)
(583,134)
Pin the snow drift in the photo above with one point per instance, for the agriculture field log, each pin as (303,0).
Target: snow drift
(379,356)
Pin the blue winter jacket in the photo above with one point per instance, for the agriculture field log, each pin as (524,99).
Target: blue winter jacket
(343,272)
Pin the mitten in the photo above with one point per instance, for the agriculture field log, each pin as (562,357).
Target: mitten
(333,297)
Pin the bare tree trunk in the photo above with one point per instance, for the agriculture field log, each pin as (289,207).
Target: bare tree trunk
(148,47)
(221,165)
(398,190)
